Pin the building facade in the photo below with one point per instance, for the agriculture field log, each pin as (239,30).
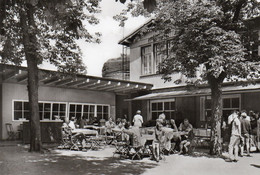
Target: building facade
(180,101)
(64,96)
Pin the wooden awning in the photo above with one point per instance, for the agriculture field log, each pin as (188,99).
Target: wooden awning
(17,74)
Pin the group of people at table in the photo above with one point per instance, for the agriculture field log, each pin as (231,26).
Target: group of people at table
(165,135)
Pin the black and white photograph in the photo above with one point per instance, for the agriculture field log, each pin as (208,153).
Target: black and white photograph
(129,87)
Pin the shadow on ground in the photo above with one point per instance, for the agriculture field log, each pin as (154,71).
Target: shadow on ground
(17,160)
(254,165)
(108,166)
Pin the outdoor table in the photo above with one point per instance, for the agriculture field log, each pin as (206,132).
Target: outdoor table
(146,137)
(100,129)
(86,132)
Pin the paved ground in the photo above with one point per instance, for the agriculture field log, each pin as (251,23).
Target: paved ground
(16,160)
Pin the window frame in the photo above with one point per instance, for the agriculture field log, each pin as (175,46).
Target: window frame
(89,104)
(203,109)
(41,119)
(163,101)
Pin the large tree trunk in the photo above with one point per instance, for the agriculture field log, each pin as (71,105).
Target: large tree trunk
(216,109)
(29,41)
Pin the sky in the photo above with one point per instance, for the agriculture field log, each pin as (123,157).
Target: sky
(95,55)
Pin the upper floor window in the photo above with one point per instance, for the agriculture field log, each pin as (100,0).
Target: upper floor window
(146,54)
(153,55)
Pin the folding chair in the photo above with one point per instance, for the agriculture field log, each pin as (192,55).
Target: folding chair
(138,149)
(76,142)
(97,142)
(122,148)
(12,135)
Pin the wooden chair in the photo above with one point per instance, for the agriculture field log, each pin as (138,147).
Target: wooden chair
(12,135)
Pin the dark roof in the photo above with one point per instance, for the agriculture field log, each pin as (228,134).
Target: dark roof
(129,38)
(252,23)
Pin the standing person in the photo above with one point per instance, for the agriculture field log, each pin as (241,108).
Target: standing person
(138,119)
(258,132)
(245,133)
(235,137)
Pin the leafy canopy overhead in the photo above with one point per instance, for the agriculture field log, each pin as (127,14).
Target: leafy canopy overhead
(208,35)
(57,26)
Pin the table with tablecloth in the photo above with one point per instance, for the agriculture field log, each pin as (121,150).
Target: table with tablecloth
(86,132)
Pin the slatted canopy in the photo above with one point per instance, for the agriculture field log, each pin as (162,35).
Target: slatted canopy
(17,74)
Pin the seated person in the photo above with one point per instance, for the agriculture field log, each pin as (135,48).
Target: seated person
(134,131)
(172,125)
(163,118)
(66,130)
(187,137)
(109,125)
(185,126)
(175,141)
(72,123)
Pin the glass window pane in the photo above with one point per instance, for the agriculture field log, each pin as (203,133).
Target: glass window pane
(168,115)
(62,114)
(105,116)
(85,115)
(78,115)
(208,103)
(92,108)
(173,105)
(167,106)
(26,106)
(63,107)
(86,108)
(72,108)
(226,103)
(40,106)
(154,106)
(47,107)
(154,115)
(40,114)
(55,107)
(18,105)
(235,102)
(17,115)
(79,108)
(105,109)
(172,115)
(27,115)
(47,115)
(91,115)
(160,106)
(54,114)
(71,115)
(99,109)
(99,116)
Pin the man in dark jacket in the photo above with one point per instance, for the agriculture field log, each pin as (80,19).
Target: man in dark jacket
(245,133)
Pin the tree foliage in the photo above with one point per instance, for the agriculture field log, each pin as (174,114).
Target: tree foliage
(44,30)
(58,24)
(212,37)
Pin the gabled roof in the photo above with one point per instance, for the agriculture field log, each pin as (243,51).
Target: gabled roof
(129,38)
(252,23)
(18,75)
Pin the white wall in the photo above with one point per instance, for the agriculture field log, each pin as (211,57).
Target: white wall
(12,92)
